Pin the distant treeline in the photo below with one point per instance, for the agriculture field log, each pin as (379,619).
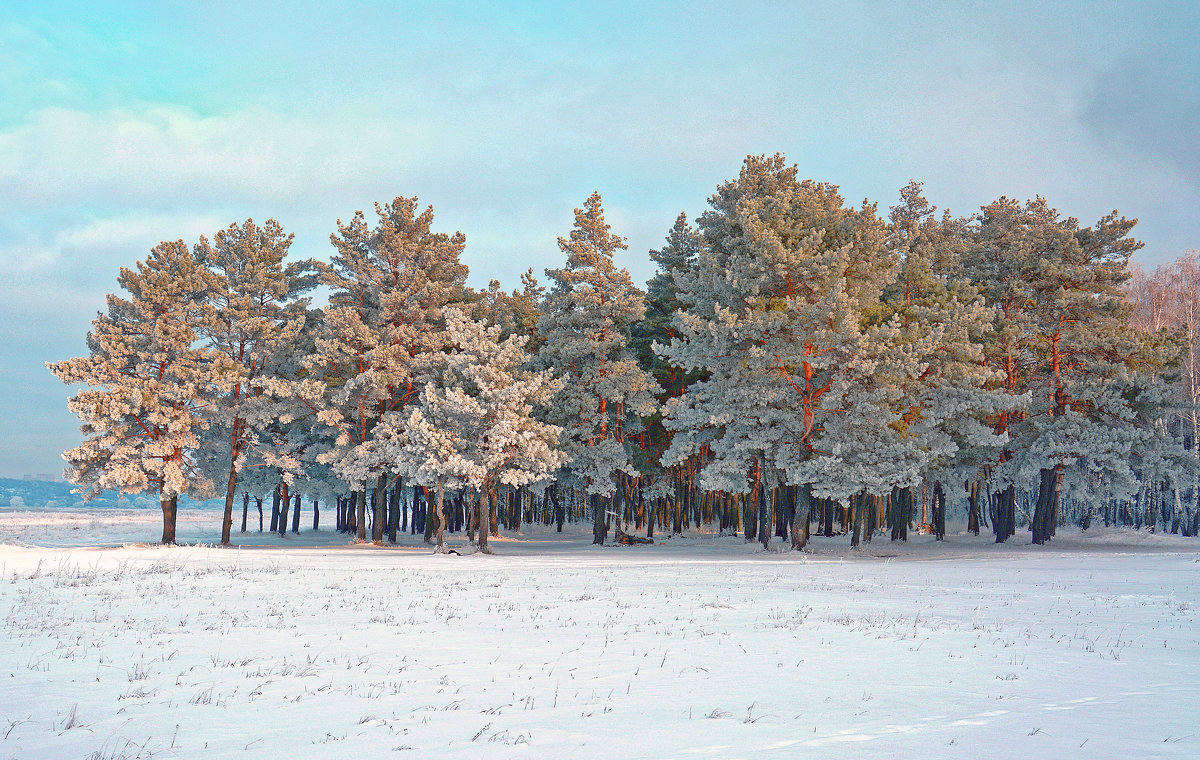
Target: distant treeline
(38,494)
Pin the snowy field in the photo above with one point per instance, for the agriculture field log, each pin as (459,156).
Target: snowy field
(703,647)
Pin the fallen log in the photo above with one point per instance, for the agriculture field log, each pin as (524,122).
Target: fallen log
(628,540)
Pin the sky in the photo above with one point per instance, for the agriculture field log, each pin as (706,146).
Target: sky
(124,124)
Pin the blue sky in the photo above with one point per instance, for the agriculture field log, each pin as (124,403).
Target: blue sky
(123,124)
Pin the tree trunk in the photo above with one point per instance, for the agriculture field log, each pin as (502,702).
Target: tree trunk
(764,517)
(258,503)
(285,501)
(402,506)
(471,514)
(430,517)
(285,504)
(902,508)
(245,510)
(868,506)
(360,517)
(441,520)
(1004,521)
(559,513)
(170,507)
(230,494)
(379,511)
(802,508)
(275,509)
(494,512)
(1192,504)
(1046,512)
(973,508)
(1155,511)
(296,514)
(483,519)
(316,514)
(412,513)
(419,521)
(394,509)
(518,509)
(677,505)
(599,521)
(827,512)
(939,510)
(749,519)
(855,517)
(994,508)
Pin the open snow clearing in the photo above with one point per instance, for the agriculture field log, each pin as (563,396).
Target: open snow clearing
(309,646)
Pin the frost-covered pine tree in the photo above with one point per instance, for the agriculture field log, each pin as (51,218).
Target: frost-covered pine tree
(474,426)
(954,397)
(676,257)
(588,314)
(390,283)
(1097,387)
(517,312)
(255,318)
(144,382)
(998,262)
(775,310)
(288,456)
(1068,341)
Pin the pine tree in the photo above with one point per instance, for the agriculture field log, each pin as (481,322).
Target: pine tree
(1065,338)
(516,313)
(1000,262)
(390,284)
(1101,381)
(287,439)
(674,259)
(256,315)
(588,314)
(954,397)
(474,428)
(145,381)
(775,312)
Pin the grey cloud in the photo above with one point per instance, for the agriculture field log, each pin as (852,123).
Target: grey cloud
(1133,110)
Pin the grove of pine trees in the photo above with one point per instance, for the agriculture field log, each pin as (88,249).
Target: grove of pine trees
(797,366)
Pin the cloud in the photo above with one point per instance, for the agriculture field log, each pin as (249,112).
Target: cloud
(85,193)
(128,231)
(1153,114)
(161,156)
(89,238)
(75,182)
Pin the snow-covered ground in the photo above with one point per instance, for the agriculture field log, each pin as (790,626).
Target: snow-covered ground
(309,646)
